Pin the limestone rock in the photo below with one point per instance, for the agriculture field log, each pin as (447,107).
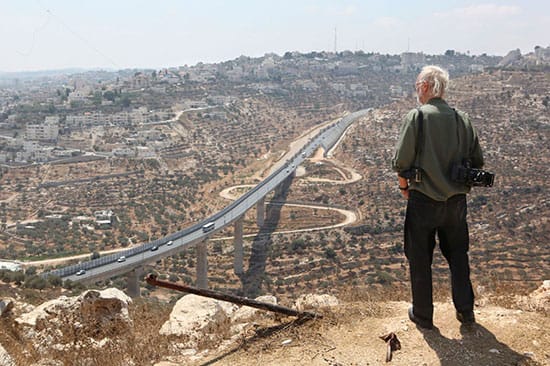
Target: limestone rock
(538,300)
(314,301)
(5,358)
(199,321)
(246,313)
(66,321)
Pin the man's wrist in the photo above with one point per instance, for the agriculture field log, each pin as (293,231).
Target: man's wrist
(404,188)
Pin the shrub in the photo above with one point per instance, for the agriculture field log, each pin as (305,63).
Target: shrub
(36,282)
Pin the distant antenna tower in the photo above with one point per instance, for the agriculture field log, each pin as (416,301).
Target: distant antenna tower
(335,39)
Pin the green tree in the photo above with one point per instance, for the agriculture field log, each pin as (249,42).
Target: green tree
(330,253)
(125,101)
(109,95)
(36,282)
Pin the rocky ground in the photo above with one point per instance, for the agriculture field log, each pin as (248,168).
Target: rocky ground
(96,327)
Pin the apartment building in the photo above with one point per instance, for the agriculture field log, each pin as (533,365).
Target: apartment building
(49,130)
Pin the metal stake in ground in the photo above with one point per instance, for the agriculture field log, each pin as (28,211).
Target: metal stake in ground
(152,280)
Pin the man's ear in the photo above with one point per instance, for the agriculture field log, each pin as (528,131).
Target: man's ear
(424,87)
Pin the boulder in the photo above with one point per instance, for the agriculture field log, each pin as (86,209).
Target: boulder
(199,321)
(246,313)
(538,300)
(65,321)
(314,301)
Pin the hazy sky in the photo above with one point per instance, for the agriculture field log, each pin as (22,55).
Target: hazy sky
(53,34)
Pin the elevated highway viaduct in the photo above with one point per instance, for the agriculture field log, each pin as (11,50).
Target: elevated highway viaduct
(131,261)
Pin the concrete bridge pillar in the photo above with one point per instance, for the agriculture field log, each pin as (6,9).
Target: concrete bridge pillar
(132,282)
(202,265)
(279,190)
(260,212)
(238,247)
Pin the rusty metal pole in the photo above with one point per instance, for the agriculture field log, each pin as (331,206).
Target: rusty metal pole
(152,280)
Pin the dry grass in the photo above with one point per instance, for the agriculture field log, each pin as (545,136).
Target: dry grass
(138,345)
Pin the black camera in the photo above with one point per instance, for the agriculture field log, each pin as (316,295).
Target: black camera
(464,173)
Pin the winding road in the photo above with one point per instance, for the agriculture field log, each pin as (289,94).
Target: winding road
(131,259)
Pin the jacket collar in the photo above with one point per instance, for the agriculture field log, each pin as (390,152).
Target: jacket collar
(436,101)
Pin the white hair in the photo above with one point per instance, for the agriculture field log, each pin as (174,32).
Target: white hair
(436,77)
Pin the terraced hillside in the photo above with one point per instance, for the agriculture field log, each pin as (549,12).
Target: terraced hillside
(508,222)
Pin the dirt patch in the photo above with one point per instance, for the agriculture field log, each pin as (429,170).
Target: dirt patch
(350,336)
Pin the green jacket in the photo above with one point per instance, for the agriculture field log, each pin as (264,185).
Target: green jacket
(445,142)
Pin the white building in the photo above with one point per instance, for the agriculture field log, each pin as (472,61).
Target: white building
(125,151)
(104,219)
(49,130)
(103,215)
(148,135)
(396,91)
(413,59)
(141,80)
(73,121)
(79,95)
(11,266)
(139,115)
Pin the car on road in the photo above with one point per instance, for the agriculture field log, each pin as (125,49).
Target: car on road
(170,243)
(154,248)
(121,259)
(81,272)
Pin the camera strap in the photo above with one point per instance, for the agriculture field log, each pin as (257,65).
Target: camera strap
(419,138)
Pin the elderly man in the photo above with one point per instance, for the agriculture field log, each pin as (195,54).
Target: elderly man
(433,137)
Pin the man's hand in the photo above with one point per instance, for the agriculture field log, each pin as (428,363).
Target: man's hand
(404,186)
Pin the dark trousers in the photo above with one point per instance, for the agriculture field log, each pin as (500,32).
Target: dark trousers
(425,217)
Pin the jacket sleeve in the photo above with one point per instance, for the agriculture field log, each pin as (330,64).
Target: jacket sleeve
(404,155)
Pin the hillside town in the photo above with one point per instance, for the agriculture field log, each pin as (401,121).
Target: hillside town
(43,119)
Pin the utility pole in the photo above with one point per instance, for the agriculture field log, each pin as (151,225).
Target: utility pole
(335,39)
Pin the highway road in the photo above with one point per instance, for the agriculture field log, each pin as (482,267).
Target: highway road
(112,265)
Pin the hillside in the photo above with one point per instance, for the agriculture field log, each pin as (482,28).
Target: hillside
(362,264)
